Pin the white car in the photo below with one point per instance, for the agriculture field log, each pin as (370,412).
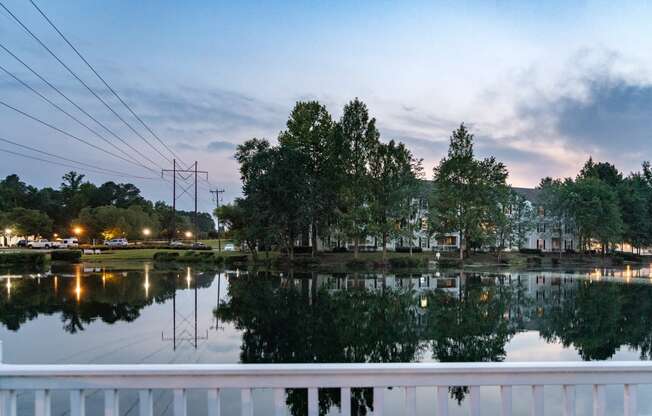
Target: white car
(117,242)
(229,247)
(43,243)
(68,242)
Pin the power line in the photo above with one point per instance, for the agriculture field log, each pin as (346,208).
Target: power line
(87,165)
(39,76)
(62,164)
(82,82)
(23,83)
(104,81)
(55,128)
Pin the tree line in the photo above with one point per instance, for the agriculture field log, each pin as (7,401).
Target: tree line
(601,206)
(109,210)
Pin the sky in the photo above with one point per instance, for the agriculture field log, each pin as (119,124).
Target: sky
(542,85)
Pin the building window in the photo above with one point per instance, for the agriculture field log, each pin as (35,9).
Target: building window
(541,227)
(541,244)
(449,240)
(542,211)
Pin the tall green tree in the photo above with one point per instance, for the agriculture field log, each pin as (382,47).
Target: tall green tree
(394,178)
(596,211)
(359,137)
(554,208)
(635,197)
(468,193)
(310,133)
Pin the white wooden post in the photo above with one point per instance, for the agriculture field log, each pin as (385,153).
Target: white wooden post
(111,403)
(42,403)
(246,407)
(279,402)
(379,401)
(475,400)
(569,400)
(631,405)
(77,403)
(599,400)
(313,402)
(442,400)
(214,405)
(180,402)
(146,402)
(345,401)
(411,401)
(9,403)
(506,400)
(537,400)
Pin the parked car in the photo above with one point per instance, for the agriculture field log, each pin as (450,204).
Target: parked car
(69,242)
(22,243)
(42,243)
(200,245)
(176,243)
(229,247)
(117,242)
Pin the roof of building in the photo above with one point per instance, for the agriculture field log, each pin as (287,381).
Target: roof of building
(531,194)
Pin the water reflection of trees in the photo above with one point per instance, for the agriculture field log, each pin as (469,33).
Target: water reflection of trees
(286,323)
(82,299)
(598,318)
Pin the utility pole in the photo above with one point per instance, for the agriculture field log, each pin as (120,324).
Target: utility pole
(217,193)
(191,171)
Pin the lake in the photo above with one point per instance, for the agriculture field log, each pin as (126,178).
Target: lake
(149,315)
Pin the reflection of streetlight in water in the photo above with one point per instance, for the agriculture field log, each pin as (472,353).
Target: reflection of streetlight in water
(78,288)
(8,287)
(188,277)
(146,285)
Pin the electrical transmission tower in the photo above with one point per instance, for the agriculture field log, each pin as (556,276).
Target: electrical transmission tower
(184,174)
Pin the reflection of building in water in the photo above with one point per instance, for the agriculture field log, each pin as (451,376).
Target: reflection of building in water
(184,323)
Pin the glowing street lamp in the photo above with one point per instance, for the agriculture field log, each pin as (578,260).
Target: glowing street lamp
(188,234)
(77,231)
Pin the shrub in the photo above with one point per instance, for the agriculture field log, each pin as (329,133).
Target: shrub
(628,256)
(306,261)
(356,264)
(23,258)
(449,262)
(299,250)
(71,256)
(407,249)
(166,256)
(404,262)
(533,261)
(340,250)
(536,251)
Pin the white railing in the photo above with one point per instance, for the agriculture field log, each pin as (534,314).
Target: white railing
(79,379)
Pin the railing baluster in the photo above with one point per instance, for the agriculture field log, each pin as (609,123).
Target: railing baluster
(180,402)
(599,400)
(569,400)
(77,403)
(42,403)
(537,400)
(8,402)
(631,405)
(442,400)
(246,407)
(345,405)
(214,407)
(411,401)
(313,402)
(146,402)
(475,400)
(111,403)
(279,402)
(506,400)
(379,401)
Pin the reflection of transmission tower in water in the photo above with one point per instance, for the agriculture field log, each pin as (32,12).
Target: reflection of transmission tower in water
(184,326)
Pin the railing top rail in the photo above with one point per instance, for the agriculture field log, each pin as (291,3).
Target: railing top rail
(320,375)
(7,370)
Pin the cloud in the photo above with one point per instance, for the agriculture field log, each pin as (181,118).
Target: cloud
(220,146)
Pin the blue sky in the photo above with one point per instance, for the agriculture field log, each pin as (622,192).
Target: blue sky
(543,85)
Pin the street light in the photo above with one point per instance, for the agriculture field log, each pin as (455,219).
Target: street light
(146,232)
(77,231)
(188,234)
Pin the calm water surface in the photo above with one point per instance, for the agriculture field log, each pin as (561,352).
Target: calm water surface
(79,315)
